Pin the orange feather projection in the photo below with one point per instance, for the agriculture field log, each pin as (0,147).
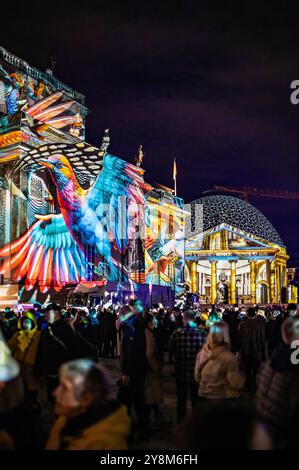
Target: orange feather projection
(43,104)
(60,122)
(46,255)
(53,111)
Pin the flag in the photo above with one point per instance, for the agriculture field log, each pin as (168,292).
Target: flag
(174,169)
(174,175)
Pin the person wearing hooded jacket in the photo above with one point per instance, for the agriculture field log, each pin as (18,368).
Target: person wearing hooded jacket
(24,346)
(20,425)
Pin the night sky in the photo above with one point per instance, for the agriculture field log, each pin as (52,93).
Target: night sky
(207,85)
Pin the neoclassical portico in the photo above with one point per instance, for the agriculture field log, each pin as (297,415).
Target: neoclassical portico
(248,279)
(241,263)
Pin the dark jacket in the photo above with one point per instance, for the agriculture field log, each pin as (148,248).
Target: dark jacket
(109,319)
(231,318)
(253,338)
(9,326)
(277,395)
(133,349)
(273,333)
(58,344)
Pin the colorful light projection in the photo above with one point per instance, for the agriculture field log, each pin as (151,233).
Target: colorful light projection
(22,97)
(112,230)
(46,255)
(164,243)
(92,234)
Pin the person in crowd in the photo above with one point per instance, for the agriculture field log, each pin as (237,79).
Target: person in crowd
(109,329)
(292,309)
(20,425)
(261,316)
(88,419)
(214,316)
(118,328)
(24,346)
(273,329)
(41,320)
(153,380)
(202,322)
(277,394)
(175,322)
(252,346)
(230,316)
(217,370)
(58,344)
(100,318)
(134,363)
(9,323)
(223,426)
(184,345)
(87,333)
(161,333)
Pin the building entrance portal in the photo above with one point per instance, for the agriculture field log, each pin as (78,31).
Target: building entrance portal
(223,293)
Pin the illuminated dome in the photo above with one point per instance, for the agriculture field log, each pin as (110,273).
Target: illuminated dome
(219,209)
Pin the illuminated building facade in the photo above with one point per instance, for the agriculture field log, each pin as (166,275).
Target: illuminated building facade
(71,213)
(233,253)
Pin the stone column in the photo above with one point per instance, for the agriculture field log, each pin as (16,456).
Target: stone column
(233,282)
(193,277)
(278,283)
(213,281)
(223,240)
(285,276)
(268,281)
(295,289)
(252,282)
(272,282)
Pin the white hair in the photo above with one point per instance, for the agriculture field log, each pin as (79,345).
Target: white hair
(87,375)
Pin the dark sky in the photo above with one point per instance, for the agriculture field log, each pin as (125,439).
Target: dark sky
(207,85)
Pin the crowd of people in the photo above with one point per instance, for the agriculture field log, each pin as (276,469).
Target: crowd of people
(238,369)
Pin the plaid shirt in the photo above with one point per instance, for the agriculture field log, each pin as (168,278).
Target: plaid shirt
(184,344)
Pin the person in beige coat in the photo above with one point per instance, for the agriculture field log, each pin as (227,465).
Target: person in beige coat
(153,380)
(217,370)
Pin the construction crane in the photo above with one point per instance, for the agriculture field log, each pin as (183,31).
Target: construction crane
(245,192)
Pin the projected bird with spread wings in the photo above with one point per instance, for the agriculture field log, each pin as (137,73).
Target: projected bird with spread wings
(92,228)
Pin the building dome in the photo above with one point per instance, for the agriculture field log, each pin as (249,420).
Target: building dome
(220,209)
